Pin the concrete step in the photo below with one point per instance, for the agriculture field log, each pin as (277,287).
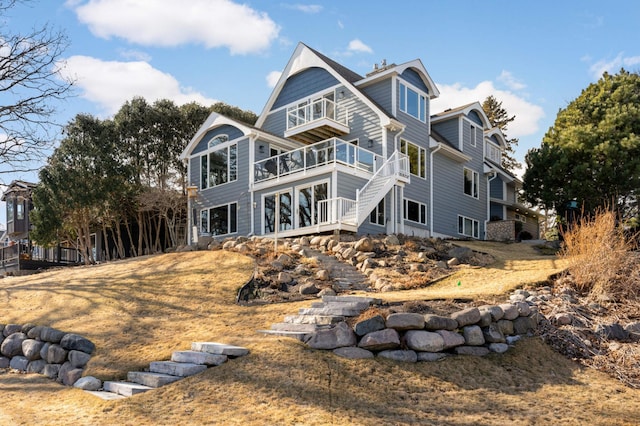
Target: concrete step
(219,348)
(107,396)
(294,334)
(361,305)
(125,388)
(313,319)
(180,369)
(197,357)
(153,380)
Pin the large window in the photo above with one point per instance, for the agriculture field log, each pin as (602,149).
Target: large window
(377,214)
(219,167)
(221,220)
(493,153)
(415,211)
(413,103)
(308,199)
(417,158)
(285,215)
(471,182)
(468,227)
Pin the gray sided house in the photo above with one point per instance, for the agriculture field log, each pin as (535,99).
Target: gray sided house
(333,151)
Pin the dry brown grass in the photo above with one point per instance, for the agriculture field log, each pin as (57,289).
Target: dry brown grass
(599,258)
(141,310)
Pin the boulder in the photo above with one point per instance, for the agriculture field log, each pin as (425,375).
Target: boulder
(89,383)
(485,319)
(78,359)
(467,316)
(369,325)
(284,278)
(523,325)
(472,350)
(308,288)
(612,331)
(496,311)
(424,341)
(56,354)
(493,334)
(4,362)
(352,352)
(336,337)
(12,345)
(473,335)
(19,363)
(562,319)
(510,311)
(36,366)
(399,355)
(34,333)
(26,328)
(498,348)
(68,375)
(74,342)
(524,309)
(430,356)
(10,329)
(44,350)
(506,327)
(461,253)
(437,322)
(405,321)
(380,340)
(31,349)
(364,244)
(451,339)
(51,370)
(52,335)
(323,275)
(392,240)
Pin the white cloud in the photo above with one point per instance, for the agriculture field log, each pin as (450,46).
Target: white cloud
(306,8)
(510,81)
(136,55)
(613,66)
(528,115)
(272,78)
(212,23)
(358,46)
(340,25)
(109,84)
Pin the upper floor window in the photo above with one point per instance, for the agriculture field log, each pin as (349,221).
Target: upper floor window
(220,139)
(474,129)
(493,153)
(417,158)
(219,166)
(471,182)
(9,210)
(413,103)
(20,210)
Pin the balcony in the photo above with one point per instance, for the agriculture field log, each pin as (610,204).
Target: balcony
(316,121)
(332,151)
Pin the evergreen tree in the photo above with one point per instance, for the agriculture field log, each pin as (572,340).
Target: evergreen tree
(498,117)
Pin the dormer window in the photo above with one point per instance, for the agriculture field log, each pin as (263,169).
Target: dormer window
(494,153)
(220,139)
(413,103)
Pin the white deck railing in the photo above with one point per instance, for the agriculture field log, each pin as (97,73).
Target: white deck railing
(313,111)
(336,210)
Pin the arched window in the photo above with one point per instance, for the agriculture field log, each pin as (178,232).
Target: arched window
(217,141)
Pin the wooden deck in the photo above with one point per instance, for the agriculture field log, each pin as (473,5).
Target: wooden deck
(21,257)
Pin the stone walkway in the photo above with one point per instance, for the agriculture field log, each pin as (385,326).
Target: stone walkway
(183,364)
(346,276)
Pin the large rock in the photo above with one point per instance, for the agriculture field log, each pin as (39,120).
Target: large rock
(4,362)
(36,366)
(524,325)
(405,321)
(353,352)
(380,340)
(461,253)
(308,288)
(485,319)
(369,325)
(74,342)
(467,316)
(34,333)
(496,311)
(612,331)
(56,354)
(430,356)
(51,370)
(78,359)
(89,383)
(424,341)
(10,329)
(473,335)
(472,350)
(68,375)
(364,244)
(336,337)
(498,348)
(399,355)
(12,345)
(506,327)
(391,240)
(31,349)
(524,309)
(52,335)
(493,334)
(451,339)
(510,311)
(437,322)
(19,363)
(44,350)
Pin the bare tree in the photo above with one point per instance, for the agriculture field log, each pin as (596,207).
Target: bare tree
(30,85)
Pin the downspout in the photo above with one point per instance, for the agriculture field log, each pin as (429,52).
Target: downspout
(252,205)
(189,225)
(397,223)
(431,206)
(487,220)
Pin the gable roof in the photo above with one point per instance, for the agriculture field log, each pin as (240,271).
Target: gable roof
(463,110)
(305,57)
(398,70)
(19,187)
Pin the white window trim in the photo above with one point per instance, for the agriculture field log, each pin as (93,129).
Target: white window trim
(296,195)
(421,94)
(227,146)
(404,210)
(475,183)
(475,225)
(490,148)
(423,165)
(473,134)
(208,210)
(384,214)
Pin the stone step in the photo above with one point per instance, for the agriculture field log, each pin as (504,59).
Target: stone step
(347,305)
(153,380)
(328,310)
(197,357)
(301,328)
(125,388)
(313,319)
(294,334)
(181,369)
(369,300)
(219,348)
(107,396)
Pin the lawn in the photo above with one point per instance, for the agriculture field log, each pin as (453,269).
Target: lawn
(140,310)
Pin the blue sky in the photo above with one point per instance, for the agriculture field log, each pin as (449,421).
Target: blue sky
(534,56)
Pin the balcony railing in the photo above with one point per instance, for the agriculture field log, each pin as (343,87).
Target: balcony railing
(313,111)
(331,151)
(337,210)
